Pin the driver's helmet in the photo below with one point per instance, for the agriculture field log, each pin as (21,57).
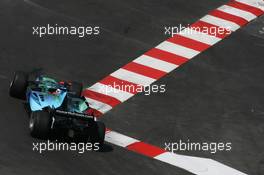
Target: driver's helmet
(54,91)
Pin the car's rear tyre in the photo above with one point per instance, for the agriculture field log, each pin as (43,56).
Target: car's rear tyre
(98,133)
(76,88)
(18,86)
(40,124)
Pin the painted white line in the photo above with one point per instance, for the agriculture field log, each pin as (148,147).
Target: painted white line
(132,77)
(184,162)
(237,12)
(155,63)
(198,165)
(220,22)
(177,49)
(199,36)
(119,139)
(110,91)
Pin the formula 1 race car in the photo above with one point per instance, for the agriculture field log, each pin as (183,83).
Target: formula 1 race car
(53,104)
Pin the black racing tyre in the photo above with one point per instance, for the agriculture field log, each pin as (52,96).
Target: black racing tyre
(98,133)
(40,124)
(18,86)
(76,88)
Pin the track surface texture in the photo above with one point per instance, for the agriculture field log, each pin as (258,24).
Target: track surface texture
(216,97)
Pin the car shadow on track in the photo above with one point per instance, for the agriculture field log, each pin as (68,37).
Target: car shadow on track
(106,148)
(59,136)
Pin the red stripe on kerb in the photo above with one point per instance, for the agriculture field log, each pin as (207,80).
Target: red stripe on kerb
(97,113)
(210,29)
(101,97)
(115,83)
(145,149)
(166,56)
(144,70)
(93,112)
(245,7)
(229,17)
(107,130)
(190,43)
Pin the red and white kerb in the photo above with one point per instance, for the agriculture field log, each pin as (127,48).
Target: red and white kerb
(172,53)
(161,60)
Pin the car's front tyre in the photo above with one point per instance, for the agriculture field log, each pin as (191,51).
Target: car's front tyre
(18,86)
(40,124)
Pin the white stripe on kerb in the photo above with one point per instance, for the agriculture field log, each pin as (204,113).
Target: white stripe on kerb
(110,91)
(237,12)
(199,36)
(155,63)
(132,77)
(220,22)
(254,3)
(177,49)
(99,106)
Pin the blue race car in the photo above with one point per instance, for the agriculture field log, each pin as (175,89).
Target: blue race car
(53,104)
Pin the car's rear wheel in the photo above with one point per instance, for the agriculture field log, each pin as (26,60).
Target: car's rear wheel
(18,86)
(98,133)
(76,89)
(40,124)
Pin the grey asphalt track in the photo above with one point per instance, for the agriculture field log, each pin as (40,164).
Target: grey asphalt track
(218,96)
